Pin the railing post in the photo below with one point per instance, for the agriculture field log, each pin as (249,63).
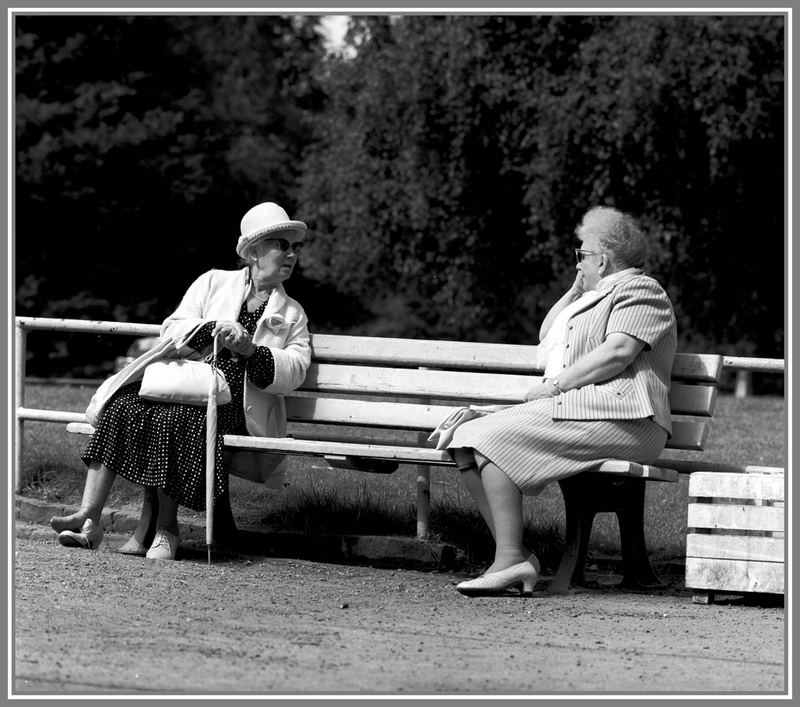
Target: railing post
(19,401)
(423,495)
(423,484)
(744,385)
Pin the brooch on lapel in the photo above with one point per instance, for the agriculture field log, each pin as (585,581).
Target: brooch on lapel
(276,323)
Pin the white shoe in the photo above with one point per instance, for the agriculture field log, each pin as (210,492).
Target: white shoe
(522,575)
(164,547)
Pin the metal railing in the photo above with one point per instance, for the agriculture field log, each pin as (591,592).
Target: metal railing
(22,325)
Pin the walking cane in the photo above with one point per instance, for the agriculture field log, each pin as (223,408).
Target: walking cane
(211,451)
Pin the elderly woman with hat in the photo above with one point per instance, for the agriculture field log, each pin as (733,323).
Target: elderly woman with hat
(265,354)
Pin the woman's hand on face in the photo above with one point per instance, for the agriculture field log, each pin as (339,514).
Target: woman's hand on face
(234,336)
(540,391)
(577,285)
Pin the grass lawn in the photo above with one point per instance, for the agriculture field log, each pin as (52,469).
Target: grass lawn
(745,430)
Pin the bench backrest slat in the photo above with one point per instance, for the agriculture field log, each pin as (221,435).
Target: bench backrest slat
(461,355)
(480,388)
(368,350)
(424,418)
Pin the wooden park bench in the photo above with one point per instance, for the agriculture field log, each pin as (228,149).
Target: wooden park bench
(370,403)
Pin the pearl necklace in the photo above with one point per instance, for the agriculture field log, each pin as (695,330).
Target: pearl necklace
(255,292)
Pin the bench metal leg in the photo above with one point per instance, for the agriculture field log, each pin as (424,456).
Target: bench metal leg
(585,495)
(580,518)
(636,570)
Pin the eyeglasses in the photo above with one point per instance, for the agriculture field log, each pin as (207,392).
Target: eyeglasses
(580,254)
(284,245)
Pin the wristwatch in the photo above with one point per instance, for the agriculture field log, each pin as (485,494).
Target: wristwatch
(555,382)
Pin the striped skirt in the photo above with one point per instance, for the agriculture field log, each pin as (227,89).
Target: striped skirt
(533,449)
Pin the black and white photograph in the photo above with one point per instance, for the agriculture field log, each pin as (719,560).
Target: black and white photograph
(398,353)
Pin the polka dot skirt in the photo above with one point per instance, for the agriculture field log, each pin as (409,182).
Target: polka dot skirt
(164,444)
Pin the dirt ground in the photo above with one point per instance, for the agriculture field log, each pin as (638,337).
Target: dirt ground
(101,622)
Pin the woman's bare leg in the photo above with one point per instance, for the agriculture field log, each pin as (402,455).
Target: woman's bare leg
(99,479)
(465,459)
(142,537)
(167,514)
(505,506)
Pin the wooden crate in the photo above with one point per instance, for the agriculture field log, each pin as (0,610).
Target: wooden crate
(736,534)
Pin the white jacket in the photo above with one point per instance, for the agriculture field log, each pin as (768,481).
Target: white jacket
(283,326)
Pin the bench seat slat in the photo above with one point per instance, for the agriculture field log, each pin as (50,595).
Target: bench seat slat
(412,455)
(686,435)
(330,434)
(408,454)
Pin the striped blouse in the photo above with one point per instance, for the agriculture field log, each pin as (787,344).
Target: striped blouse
(639,307)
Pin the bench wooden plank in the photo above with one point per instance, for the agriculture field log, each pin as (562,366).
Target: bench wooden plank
(644,471)
(480,388)
(690,436)
(317,447)
(361,380)
(366,413)
(519,358)
(687,436)
(409,454)
(415,353)
(702,368)
(410,416)
(321,444)
(85,428)
(687,466)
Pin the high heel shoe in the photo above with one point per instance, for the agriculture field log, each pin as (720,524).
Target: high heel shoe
(522,575)
(164,547)
(89,537)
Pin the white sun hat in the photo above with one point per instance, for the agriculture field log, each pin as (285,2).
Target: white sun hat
(265,219)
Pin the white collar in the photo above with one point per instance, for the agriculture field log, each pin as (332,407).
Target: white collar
(609,282)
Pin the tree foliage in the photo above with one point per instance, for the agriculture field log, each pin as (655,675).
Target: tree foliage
(456,154)
(140,142)
(442,164)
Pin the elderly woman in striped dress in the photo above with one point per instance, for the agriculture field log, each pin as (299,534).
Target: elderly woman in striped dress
(607,349)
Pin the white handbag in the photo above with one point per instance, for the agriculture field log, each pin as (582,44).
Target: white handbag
(185,382)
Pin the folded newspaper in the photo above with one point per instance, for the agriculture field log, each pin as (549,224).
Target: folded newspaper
(444,431)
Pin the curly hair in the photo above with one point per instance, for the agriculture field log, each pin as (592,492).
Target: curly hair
(620,234)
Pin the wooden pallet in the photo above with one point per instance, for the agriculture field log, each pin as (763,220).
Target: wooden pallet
(735,542)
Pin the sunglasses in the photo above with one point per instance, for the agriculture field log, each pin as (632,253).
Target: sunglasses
(580,254)
(283,245)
